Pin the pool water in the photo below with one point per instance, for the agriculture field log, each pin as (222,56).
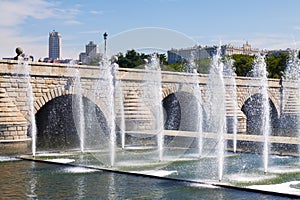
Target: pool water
(34,180)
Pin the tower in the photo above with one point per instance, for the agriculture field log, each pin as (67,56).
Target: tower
(54,45)
(91,49)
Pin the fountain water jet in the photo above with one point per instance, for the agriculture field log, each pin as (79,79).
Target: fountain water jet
(230,74)
(216,106)
(196,91)
(260,71)
(122,117)
(23,69)
(79,110)
(292,73)
(152,95)
(107,75)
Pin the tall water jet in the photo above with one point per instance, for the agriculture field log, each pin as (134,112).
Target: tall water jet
(292,73)
(259,70)
(106,85)
(119,104)
(196,91)
(230,74)
(216,116)
(79,110)
(23,69)
(152,94)
(122,120)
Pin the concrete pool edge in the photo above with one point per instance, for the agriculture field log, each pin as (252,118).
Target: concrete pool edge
(216,184)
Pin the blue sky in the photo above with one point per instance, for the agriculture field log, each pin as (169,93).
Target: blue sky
(158,24)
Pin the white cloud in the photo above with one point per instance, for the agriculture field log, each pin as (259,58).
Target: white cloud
(96,12)
(15,12)
(296,27)
(72,22)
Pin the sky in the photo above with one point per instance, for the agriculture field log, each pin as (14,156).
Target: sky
(147,24)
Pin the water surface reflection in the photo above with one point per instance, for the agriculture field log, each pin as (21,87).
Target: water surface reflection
(33,180)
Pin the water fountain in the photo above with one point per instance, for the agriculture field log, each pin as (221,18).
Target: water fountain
(22,69)
(121,122)
(260,71)
(152,97)
(216,109)
(191,68)
(211,165)
(229,73)
(291,74)
(107,83)
(78,110)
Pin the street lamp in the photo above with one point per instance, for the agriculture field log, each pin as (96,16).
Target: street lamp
(105,37)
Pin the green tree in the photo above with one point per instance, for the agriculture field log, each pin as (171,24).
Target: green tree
(132,59)
(179,66)
(162,59)
(242,64)
(203,65)
(276,63)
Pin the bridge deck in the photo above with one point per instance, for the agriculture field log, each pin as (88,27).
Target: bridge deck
(240,137)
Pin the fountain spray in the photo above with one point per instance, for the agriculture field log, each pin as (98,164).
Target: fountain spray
(192,69)
(153,93)
(260,71)
(79,107)
(292,73)
(217,112)
(230,73)
(24,68)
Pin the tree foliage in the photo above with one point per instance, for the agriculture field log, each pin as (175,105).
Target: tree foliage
(242,64)
(203,65)
(276,63)
(131,59)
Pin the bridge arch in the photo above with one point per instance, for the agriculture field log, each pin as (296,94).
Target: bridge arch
(180,108)
(58,122)
(252,108)
(244,96)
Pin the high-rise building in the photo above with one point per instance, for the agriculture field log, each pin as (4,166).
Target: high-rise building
(54,45)
(91,54)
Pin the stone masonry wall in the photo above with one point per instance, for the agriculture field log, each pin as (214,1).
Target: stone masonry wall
(49,81)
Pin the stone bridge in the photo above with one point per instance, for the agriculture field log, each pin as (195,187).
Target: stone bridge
(55,84)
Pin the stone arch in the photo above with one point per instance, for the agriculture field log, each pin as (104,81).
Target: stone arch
(183,101)
(243,97)
(168,89)
(59,91)
(252,109)
(48,96)
(58,123)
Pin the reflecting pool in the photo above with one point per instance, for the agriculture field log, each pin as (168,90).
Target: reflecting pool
(35,180)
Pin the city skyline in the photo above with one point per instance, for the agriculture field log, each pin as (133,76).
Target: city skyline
(269,24)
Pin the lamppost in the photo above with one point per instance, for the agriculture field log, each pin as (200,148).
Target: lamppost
(105,37)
